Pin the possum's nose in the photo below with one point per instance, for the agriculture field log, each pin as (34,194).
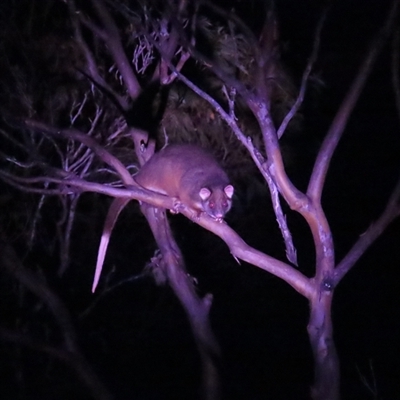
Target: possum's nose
(218,217)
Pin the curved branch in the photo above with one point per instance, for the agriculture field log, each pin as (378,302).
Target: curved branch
(240,249)
(391,212)
(339,123)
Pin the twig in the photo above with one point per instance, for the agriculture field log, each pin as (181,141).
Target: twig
(304,80)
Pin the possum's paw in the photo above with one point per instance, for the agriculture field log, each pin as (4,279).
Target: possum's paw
(177,206)
(195,215)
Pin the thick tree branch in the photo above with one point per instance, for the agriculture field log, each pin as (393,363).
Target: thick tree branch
(241,250)
(339,123)
(298,201)
(266,59)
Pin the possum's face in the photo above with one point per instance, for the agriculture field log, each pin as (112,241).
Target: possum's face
(217,202)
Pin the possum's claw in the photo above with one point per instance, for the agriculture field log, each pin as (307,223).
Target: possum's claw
(177,206)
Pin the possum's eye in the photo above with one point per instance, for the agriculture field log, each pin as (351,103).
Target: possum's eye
(211,204)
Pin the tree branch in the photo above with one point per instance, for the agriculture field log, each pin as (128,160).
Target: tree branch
(100,151)
(90,61)
(116,49)
(135,192)
(242,250)
(391,212)
(304,79)
(339,123)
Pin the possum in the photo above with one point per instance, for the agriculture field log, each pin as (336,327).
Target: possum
(191,176)
(187,173)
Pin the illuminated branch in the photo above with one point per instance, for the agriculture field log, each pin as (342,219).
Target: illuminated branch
(339,123)
(391,212)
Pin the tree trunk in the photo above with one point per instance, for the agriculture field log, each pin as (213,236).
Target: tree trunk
(326,375)
(196,308)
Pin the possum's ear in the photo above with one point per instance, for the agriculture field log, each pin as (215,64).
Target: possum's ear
(229,191)
(204,193)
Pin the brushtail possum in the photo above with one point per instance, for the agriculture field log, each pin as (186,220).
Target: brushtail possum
(192,176)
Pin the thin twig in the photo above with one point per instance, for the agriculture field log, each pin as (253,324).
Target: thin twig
(306,74)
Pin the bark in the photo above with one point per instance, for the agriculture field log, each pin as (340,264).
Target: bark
(327,372)
(196,308)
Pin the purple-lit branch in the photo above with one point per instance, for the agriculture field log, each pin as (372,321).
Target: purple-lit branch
(243,251)
(12,180)
(339,123)
(391,212)
(73,185)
